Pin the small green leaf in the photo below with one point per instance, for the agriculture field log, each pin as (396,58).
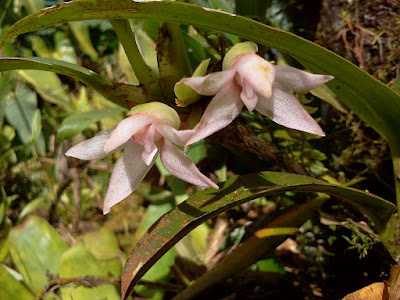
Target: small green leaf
(11,288)
(32,206)
(147,48)
(78,261)
(36,249)
(64,50)
(104,246)
(126,66)
(36,125)
(20,113)
(270,265)
(81,33)
(40,47)
(197,151)
(326,94)
(78,122)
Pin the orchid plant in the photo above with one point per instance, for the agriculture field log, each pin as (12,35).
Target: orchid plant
(157,124)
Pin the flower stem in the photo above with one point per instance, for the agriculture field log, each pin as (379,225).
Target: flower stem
(146,76)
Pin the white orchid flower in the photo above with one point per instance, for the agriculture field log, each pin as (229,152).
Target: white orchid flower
(248,80)
(150,129)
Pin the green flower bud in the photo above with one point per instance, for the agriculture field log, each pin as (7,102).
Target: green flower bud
(159,110)
(237,51)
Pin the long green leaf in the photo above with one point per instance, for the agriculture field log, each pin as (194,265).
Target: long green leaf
(121,94)
(202,206)
(374,102)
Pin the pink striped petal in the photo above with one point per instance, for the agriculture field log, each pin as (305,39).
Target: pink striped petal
(289,78)
(258,73)
(128,173)
(211,84)
(126,129)
(283,108)
(179,165)
(220,112)
(92,148)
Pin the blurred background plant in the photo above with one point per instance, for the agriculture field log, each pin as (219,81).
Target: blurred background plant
(81,253)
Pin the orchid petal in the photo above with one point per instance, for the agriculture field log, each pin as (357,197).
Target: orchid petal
(258,73)
(126,129)
(289,78)
(283,108)
(92,148)
(211,84)
(128,173)
(220,112)
(179,165)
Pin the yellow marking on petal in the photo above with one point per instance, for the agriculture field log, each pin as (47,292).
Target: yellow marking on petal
(266,70)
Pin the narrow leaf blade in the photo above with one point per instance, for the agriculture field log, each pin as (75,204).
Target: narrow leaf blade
(119,93)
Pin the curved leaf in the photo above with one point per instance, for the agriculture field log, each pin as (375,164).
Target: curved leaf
(36,248)
(119,93)
(202,206)
(374,102)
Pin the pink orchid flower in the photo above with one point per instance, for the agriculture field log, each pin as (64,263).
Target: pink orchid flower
(150,129)
(248,80)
